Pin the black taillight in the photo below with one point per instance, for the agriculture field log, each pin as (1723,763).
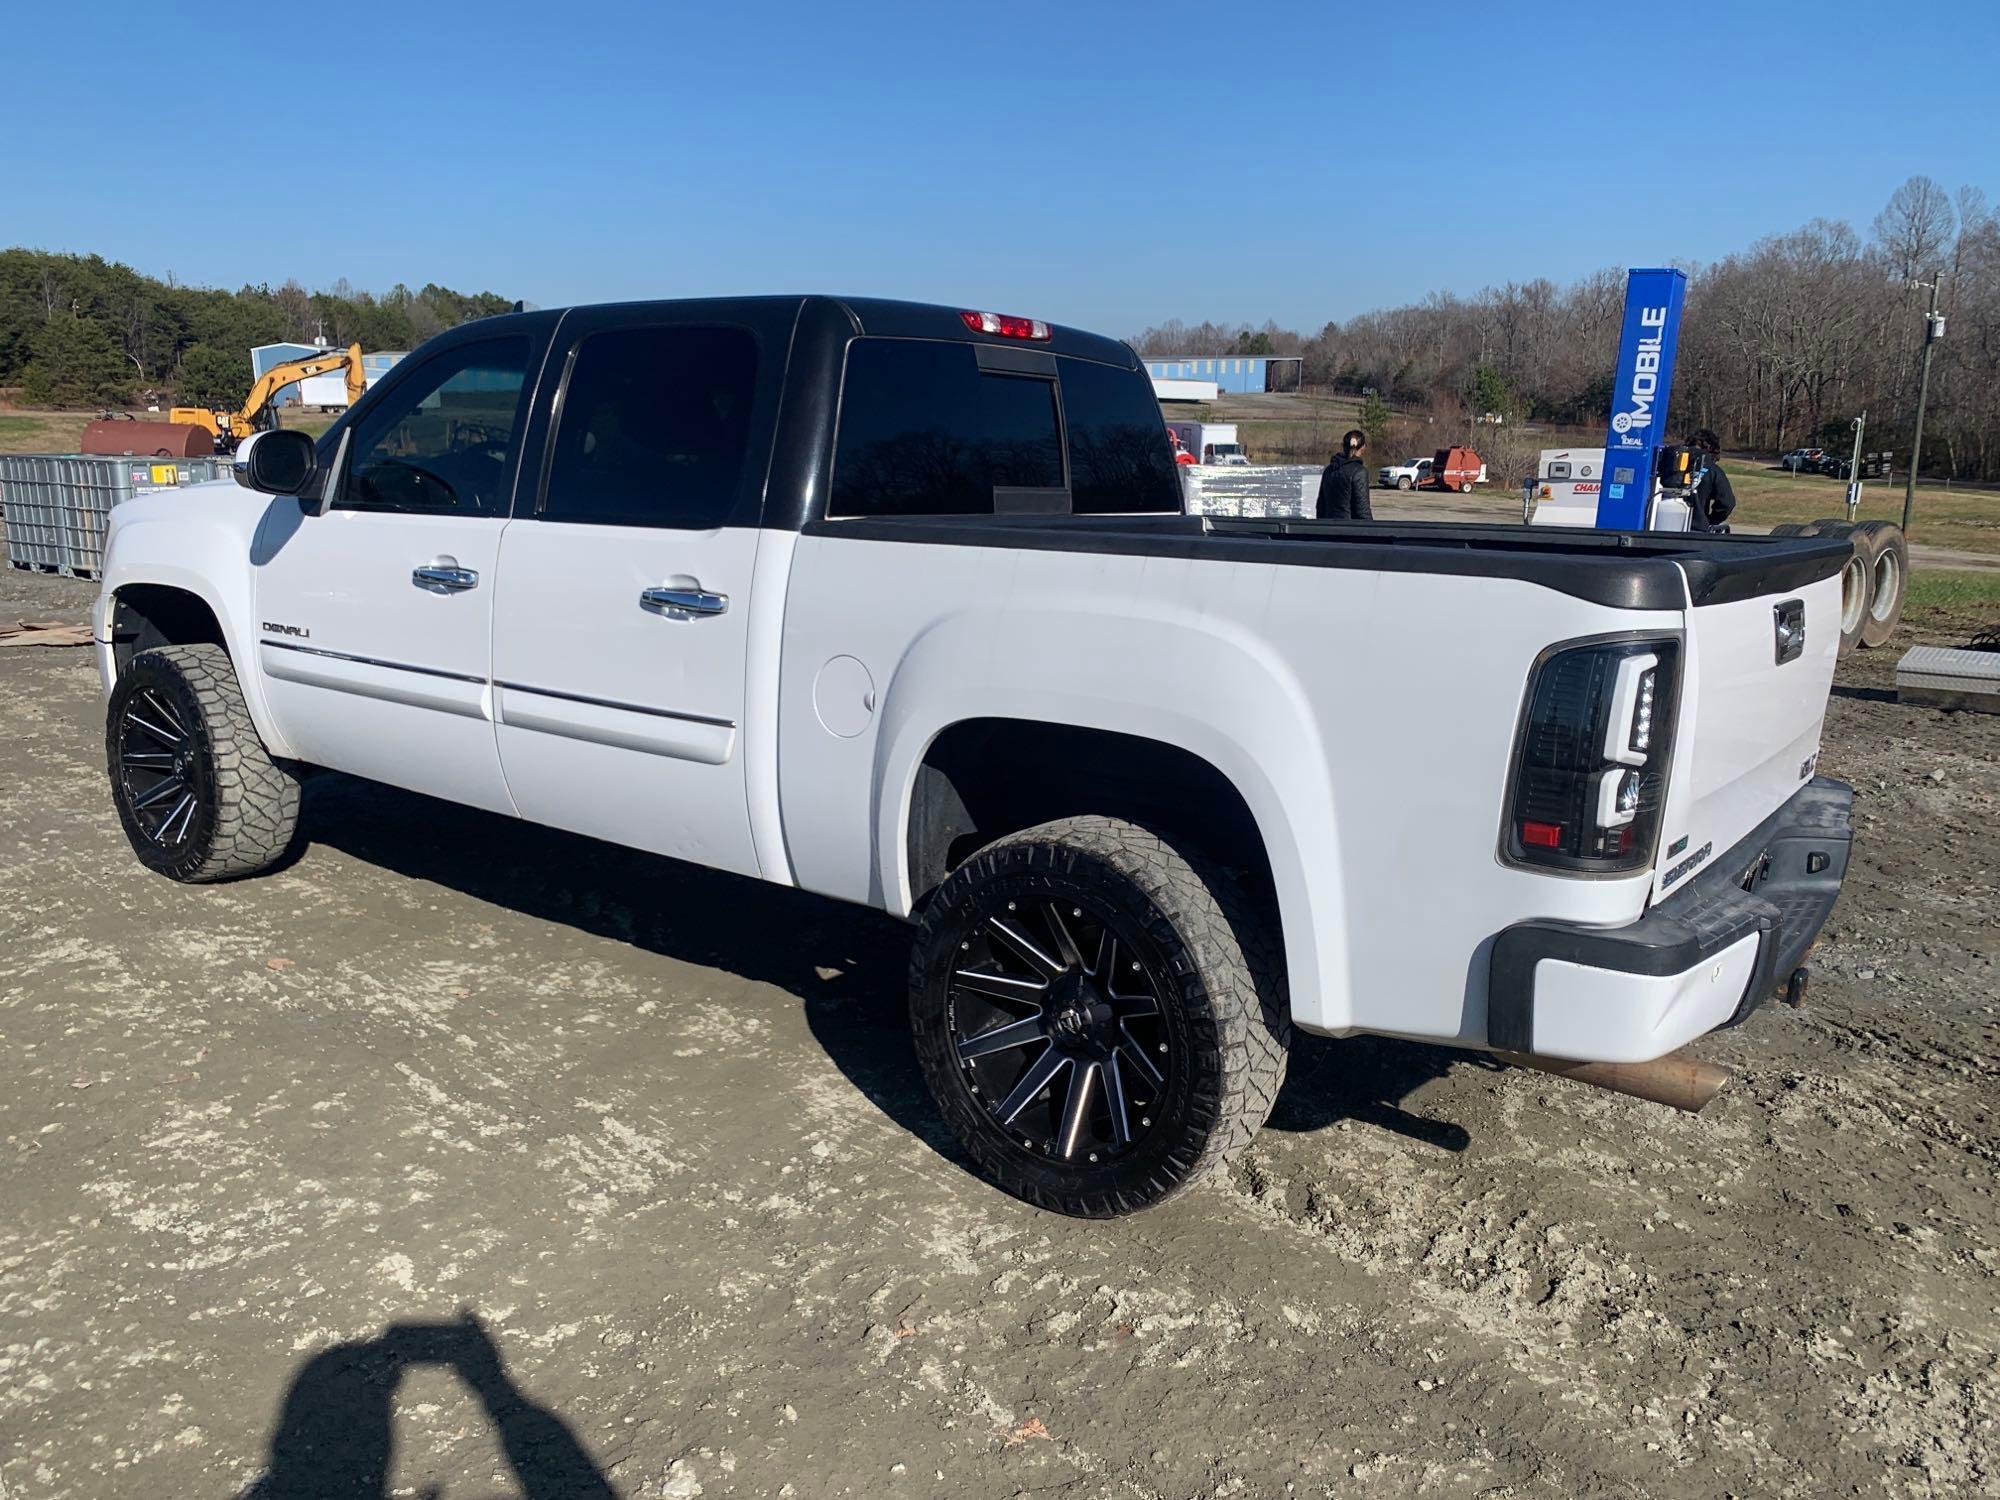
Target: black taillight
(1590,768)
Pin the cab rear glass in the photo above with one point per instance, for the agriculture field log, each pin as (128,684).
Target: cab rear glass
(925,431)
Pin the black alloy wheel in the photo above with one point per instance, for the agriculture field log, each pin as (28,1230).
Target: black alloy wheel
(163,770)
(1100,1013)
(199,796)
(1057,1027)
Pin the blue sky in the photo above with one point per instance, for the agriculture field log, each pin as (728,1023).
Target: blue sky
(1104,165)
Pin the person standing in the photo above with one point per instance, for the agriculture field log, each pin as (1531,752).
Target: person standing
(1343,484)
(1713,498)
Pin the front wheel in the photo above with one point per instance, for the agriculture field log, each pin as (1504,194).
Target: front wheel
(198,794)
(1404,482)
(1099,1013)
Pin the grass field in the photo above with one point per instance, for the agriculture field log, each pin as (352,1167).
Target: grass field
(1966,519)
(61,431)
(1947,590)
(42,431)
(1951,604)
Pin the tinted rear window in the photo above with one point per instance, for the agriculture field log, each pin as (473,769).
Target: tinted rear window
(655,422)
(1119,457)
(924,431)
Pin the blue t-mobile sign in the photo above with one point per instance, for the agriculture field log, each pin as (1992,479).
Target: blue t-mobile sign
(1639,396)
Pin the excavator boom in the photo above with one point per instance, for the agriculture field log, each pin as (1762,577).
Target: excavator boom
(230,428)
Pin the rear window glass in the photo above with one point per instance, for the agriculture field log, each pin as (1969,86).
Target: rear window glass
(1119,456)
(924,431)
(655,423)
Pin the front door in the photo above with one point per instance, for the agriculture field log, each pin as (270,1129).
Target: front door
(375,619)
(621,622)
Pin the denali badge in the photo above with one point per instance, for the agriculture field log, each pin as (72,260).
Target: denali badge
(1788,622)
(1693,861)
(298,630)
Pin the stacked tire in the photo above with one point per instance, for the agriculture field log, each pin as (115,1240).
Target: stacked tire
(1874,582)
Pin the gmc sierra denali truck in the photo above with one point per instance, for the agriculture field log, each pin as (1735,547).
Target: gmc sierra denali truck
(896,603)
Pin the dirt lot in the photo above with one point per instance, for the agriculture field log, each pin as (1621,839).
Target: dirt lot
(660,1132)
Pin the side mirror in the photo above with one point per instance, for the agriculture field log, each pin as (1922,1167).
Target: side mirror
(277,463)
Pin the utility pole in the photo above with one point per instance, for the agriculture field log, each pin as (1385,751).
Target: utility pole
(1933,331)
(1854,469)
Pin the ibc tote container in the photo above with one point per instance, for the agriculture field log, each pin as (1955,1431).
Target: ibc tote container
(68,499)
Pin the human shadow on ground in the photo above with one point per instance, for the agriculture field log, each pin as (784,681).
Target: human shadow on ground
(848,965)
(335,1435)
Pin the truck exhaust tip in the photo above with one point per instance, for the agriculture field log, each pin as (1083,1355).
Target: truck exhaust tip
(1796,986)
(1676,1080)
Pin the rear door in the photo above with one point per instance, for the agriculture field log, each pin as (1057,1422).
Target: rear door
(375,619)
(623,616)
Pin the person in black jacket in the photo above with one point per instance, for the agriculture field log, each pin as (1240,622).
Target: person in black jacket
(1713,498)
(1343,484)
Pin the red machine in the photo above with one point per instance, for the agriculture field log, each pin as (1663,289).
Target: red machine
(1457,469)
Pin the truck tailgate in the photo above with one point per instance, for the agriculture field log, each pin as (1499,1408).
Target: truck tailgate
(1750,721)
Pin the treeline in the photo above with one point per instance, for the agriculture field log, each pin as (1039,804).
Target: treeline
(1781,344)
(78,330)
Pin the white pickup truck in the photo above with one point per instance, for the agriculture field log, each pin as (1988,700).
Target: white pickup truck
(895,603)
(1410,474)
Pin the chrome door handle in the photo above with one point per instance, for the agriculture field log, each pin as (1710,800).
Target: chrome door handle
(440,578)
(695,601)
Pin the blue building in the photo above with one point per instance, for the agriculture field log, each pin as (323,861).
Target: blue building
(1243,374)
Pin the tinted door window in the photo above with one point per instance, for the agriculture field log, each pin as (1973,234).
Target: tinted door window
(924,431)
(444,440)
(655,424)
(1119,457)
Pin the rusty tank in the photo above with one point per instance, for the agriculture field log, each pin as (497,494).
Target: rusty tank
(148,439)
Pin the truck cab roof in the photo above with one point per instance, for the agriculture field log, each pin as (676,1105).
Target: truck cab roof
(880,317)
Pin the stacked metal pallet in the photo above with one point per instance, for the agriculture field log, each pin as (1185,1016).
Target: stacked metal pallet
(58,505)
(1262,490)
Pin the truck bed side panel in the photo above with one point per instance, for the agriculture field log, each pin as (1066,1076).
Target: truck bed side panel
(1366,717)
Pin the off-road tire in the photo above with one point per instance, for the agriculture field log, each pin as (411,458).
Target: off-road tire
(245,808)
(1223,1006)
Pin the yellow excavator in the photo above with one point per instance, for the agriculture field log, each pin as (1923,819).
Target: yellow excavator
(229,428)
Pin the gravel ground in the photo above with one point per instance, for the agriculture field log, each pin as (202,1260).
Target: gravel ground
(463,1158)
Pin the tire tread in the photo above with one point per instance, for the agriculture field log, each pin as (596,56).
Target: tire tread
(1238,965)
(256,811)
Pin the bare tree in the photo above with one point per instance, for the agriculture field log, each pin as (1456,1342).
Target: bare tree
(1780,343)
(1915,226)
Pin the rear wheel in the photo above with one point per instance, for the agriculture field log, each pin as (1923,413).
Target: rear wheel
(1099,1014)
(1465,486)
(198,794)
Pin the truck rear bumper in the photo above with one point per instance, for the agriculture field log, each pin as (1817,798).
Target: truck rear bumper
(1705,957)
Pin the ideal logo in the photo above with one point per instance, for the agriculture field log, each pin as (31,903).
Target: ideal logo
(1635,413)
